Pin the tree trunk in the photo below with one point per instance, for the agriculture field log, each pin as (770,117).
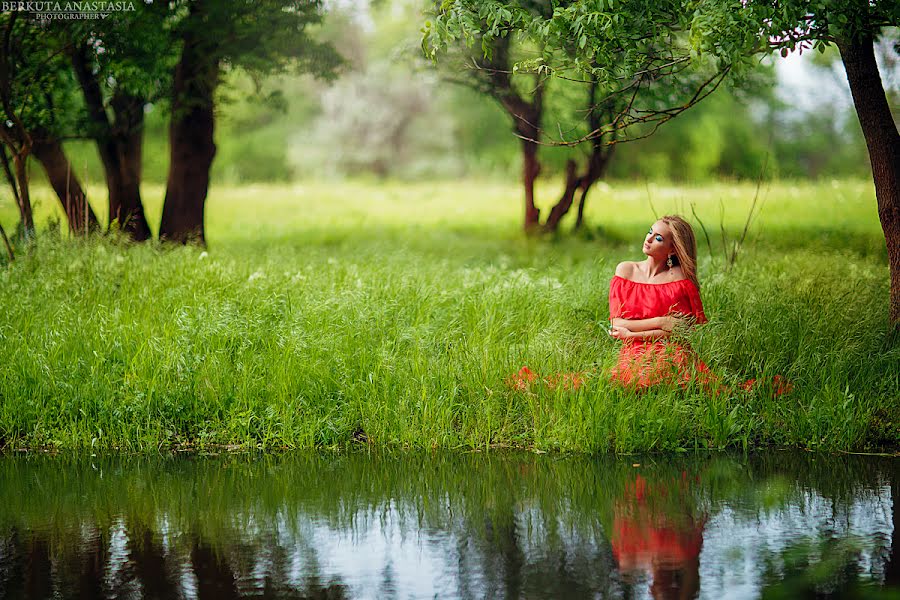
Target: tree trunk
(531,168)
(119,148)
(123,182)
(559,210)
(594,170)
(129,139)
(6,244)
(11,179)
(526,115)
(13,134)
(883,143)
(49,152)
(579,218)
(20,163)
(599,163)
(191,145)
(526,120)
(15,190)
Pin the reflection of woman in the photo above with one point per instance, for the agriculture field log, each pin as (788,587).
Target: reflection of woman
(648,300)
(654,530)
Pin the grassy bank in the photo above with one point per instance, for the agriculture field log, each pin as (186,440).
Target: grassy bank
(393,313)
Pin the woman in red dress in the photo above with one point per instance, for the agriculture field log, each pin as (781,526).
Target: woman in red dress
(648,300)
(651,298)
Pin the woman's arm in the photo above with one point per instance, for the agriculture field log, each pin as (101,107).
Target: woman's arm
(664,323)
(621,333)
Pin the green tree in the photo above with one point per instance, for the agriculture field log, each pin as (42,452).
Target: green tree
(637,80)
(83,80)
(260,36)
(734,34)
(22,75)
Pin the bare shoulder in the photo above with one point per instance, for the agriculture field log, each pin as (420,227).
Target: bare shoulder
(625,269)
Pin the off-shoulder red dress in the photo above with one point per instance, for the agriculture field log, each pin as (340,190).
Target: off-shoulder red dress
(643,363)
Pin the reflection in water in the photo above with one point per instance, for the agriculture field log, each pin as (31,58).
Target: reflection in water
(655,529)
(450,526)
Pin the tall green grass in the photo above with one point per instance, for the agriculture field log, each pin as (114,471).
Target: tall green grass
(393,313)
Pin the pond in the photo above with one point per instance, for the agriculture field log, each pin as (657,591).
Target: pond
(449,525)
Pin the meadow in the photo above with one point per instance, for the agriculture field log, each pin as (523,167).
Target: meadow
(391,314)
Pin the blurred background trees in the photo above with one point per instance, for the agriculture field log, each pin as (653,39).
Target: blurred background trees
(389,113)
(281,127)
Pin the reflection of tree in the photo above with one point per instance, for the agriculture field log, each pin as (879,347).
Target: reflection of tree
(149,562)
(94,554)
(892,569)
(500,531)
(215,581)
(795,574)
(37,569)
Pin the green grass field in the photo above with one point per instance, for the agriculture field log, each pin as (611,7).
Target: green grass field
(327,314)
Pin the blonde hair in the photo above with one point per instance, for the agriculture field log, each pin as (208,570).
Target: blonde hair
(685,245)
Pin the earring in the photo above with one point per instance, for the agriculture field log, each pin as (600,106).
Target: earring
(669,261)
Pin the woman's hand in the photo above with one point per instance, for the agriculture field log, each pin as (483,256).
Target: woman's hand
(620,333)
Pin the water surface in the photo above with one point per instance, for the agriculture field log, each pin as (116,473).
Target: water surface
(476,525)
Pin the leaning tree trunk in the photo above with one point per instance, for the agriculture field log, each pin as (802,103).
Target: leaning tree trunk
(883,142)
(18,180)
(49,152)
(18,183)
(191,146)
(559,210)
(9,250)
(21,169)
(594,169)
(597,169)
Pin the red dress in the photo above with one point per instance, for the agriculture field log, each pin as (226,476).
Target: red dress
(643,363)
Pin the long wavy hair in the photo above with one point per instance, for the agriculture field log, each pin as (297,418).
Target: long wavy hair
(685,246)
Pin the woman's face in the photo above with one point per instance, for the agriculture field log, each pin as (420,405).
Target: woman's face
(658,241)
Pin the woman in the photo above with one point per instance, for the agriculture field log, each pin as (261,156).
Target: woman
(648,301)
